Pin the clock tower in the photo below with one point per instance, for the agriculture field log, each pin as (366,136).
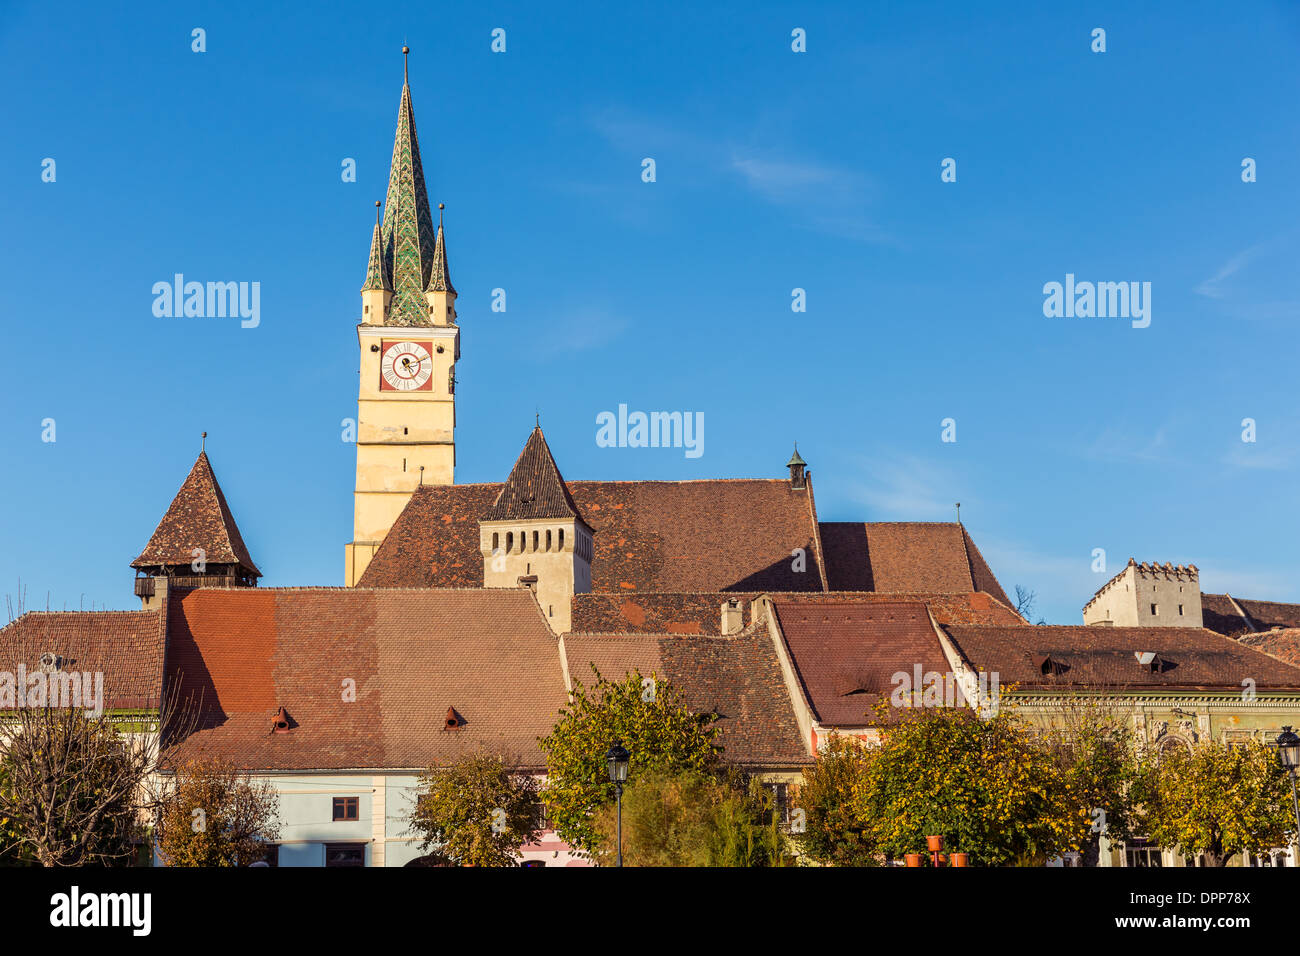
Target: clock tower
(409,341)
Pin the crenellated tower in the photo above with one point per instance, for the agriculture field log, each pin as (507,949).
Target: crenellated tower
(409,342)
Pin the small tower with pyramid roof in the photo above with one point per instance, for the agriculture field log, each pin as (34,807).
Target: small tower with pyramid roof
(196,544)
(409,343)
(534,536)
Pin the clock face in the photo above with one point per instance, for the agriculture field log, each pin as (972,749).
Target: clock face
(406,367)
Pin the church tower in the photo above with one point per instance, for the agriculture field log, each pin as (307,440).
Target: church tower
(409,341)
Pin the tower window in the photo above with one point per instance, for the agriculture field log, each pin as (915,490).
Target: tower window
(1180,610)
(1153,609)
(534,540)
(405,431)
(561,539)
(548,539)
(510,541)
(496,541)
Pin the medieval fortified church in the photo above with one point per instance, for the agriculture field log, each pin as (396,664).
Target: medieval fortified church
(470,610)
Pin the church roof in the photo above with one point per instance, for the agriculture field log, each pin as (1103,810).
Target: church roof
(535,488)
(690,536)
(488,654)
(906,556)
(198,517)
(1237,616)
(408,233)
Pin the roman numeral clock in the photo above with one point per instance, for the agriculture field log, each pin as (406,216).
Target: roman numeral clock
(406,366)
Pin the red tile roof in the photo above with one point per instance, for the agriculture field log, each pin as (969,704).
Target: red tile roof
(198,517)
(125,646)
(737,677)
(1103,657)
(905,556)
(1282,643)
(846,652)
(687,536)
(408,656)
(1219,614)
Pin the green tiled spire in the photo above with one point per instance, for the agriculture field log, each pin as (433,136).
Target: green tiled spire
(376,274)
(408,225)
(440,275)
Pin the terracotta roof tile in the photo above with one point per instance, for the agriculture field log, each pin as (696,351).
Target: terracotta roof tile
(846,652)
(535,488)
(125,646)
(198,517)
(738,677)
(1194,658)
(366,676)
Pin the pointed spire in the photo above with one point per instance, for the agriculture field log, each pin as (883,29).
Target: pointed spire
(376,275)
(535,488)
(439,274)
(197,518)
(408,234)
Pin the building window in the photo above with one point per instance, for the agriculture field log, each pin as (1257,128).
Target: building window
(1153,609)
(496,541)
(534,540)
(1140,853)
(780,802)
(1180,610)
(561,539)
(345,808)
(345,854)
(510,541)
(548,539)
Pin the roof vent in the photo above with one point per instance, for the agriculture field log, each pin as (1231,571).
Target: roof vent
(1150,660)
(1048,665)
(51,662)
(281,723)
(454,720)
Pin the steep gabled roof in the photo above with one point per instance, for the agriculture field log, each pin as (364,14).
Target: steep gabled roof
(535,488)
(934,557)
(198,517)
(1237,616)
(846,652)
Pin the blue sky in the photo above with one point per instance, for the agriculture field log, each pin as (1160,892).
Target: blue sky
(775,170)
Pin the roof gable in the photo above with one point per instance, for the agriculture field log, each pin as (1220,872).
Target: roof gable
(535,488)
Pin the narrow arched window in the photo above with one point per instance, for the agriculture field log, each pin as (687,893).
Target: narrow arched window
(548,539)
(510,541)
(561,539)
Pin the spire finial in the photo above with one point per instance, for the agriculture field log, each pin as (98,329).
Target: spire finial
(406,52)
(204,443)
(441,207)
(378,205)
(959,512)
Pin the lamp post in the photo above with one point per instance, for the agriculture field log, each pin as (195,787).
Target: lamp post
(1288,751)
(617,761)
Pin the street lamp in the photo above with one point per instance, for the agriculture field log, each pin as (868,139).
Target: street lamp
(1288,751)
(617,762)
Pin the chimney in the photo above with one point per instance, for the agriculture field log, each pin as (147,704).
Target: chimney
(733,616)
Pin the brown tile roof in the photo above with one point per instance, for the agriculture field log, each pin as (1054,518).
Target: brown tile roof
(846,652)
(411,655)
(684,536)
(701,612)
(535,488)
(738,677)
(1219,614)
(1282,643)
(125,646)
(905,556)
(1103,657)
(198,517)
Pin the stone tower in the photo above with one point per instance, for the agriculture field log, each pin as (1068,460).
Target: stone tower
(534,536)
(409,342)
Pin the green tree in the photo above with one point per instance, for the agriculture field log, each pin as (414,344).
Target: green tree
(649,716)
(693,819)
(988,786)
(833,833)
(476,811)
(1217,800)
(212,814)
